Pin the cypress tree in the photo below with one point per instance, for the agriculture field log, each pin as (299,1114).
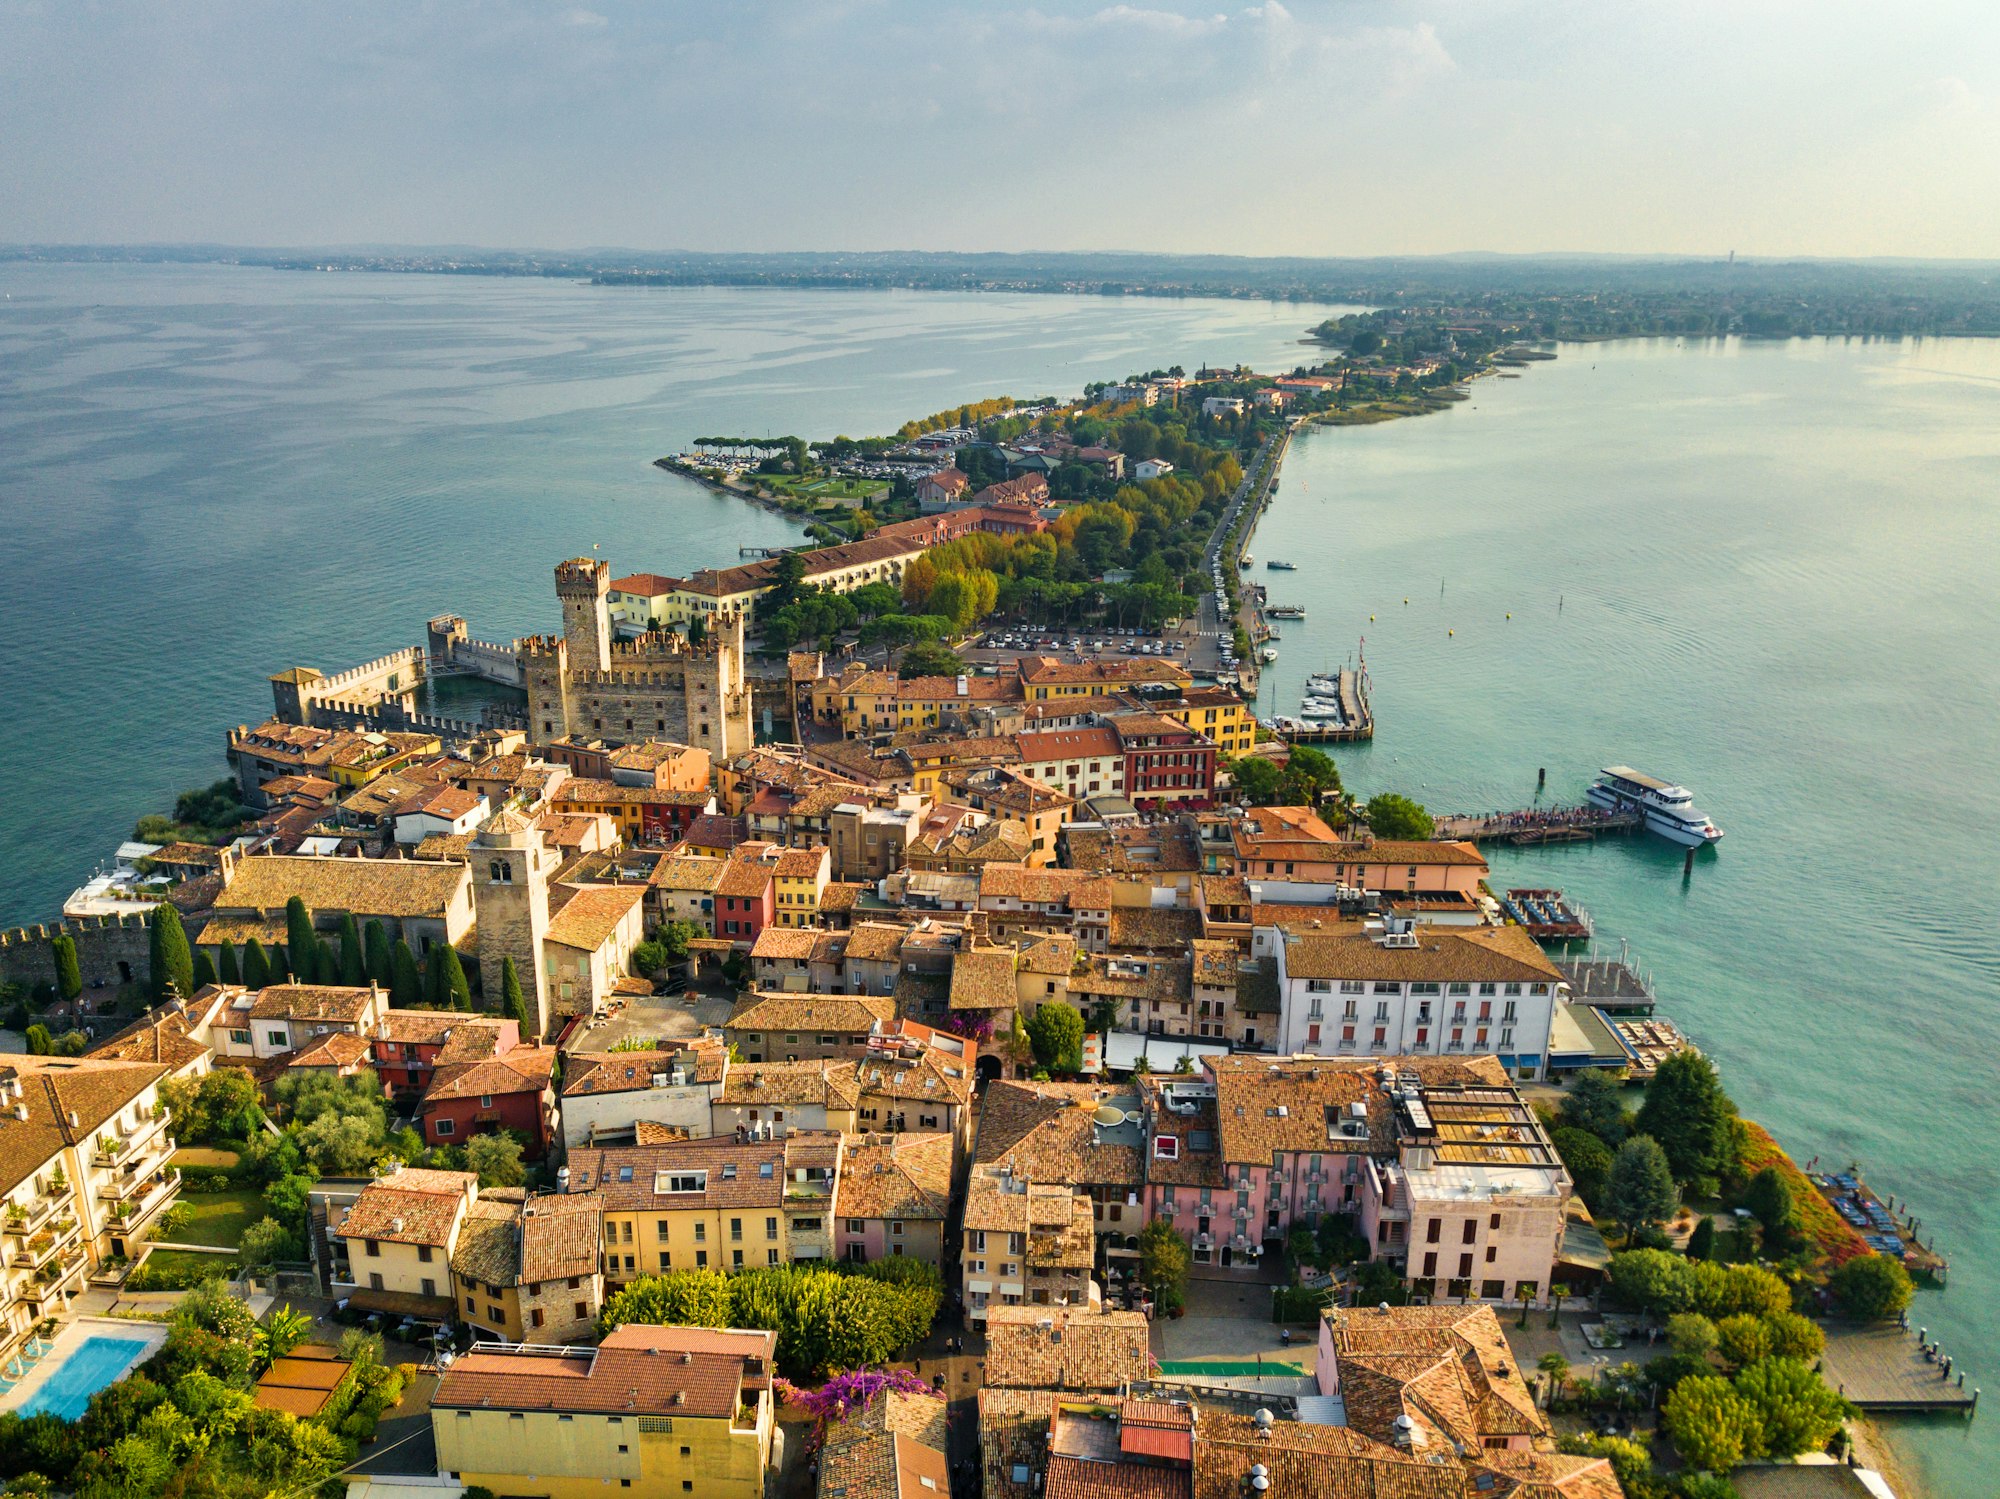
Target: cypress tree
(513,1003)
(204,971)
(406,987)
(375,942)
(434,990)
(280,963)
(327,964)
(300,938)
(69,976)
(172,963)
(256,965)
(225,963)
(454,989)
(353,967)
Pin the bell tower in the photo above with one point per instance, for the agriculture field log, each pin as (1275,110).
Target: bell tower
(511,866)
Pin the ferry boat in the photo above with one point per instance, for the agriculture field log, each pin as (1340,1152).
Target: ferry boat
(1668,809)
(1287,611)
(1282,567)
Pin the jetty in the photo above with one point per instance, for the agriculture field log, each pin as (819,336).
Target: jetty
(1536,825)
(1881,1226)
(1546,916)
(1356,721)
(1886,1369)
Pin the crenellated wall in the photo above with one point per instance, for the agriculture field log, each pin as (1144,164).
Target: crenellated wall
(103,943)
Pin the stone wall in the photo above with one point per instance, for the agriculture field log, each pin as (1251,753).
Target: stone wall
(103,944)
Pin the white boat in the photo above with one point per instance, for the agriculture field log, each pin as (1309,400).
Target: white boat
(1246,560)
(1267,655)
(1323,684)
(1322,710)
(1668,809)
(1287,611)
(1282,567)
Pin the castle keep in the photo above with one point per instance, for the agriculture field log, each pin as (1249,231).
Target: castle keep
(658,686)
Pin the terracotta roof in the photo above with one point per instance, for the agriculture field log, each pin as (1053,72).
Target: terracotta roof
(933,1077)
(302,1382)
(1013,1430)
(590,916)
(340,1050)
(52,1089)
(1079,1349)
(895,1176)
(732,1173)
(785,942)
(1054,955)
(1161,930)
(1442,954)
(822,1081)
(744,880)
(651,585)
(1448,1368)
(1327,1462)
(1049,745)
(844,1014)
(1048,1132)
(160,1037)
(982,978)
(1030,886)
(636,1369)
(328,1002)
(364,887)
(1056,1221)
(875,941)
(525,1069)
(840,895)
(587,1073)
(694,872)
(411,1207)
(1251,1090)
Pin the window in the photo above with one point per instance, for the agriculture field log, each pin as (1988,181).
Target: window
(1432,1229)
(277,1038)
(444,1126)
(736,1259)
(1471,1233)
(430,1286)
(374,1249)
(242,1038)
(736,1229)
(1465,1267)
(666,1260)
(424,1253)
(771,1227)
(535,1318)
(499,1317)
(375,1280)
(580,1310)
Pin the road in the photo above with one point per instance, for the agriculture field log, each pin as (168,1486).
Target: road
(1211,632)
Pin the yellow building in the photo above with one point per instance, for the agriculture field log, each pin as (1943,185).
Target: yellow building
(1045,679)
(1221,716)
(718,1204)
(392,1250)
(360,758)
(801,875)
(659,1411)
(525,1269)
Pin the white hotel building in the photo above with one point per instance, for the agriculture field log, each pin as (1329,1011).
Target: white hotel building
(1390,988)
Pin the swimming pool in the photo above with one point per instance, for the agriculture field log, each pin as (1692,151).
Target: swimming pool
(87,1368)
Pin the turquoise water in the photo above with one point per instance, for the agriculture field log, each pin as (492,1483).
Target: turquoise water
(90,1366)
(1769,572)
(208,474)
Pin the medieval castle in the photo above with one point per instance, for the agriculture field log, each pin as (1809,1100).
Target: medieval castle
(659,686)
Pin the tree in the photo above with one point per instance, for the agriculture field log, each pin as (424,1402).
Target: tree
(1692,1118)
(226,969)
(1557,1368)
(1595,1102)
(283,1330)
(1701,1243)
(1691,1335)
(1769,1198)
(1164,1259)
(1795,1337)
(513,1003)
(301,940)
(1640,1188)
(353,961)
(172,964)
(38,1040)
(204,971)
(280,964)
(375,951)
(1256,779)
(1729,1290)
(1712,1426)
(264,1243)
(69,976)
(927,658)
(454,990)
(406,985)
(1392,816)
(1742,1340)
(1871,1287)
(1586,1158)
(1055,1031)
(1652,1280)
(256,965)
(1796,1410)
(496,1160)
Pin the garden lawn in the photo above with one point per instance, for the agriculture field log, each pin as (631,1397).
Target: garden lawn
(171,1262)
(218,1217)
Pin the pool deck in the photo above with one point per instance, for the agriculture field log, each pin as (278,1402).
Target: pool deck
(67,1339)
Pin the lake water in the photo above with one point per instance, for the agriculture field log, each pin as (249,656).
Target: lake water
(1771,572)
(1766,570)
(208,474)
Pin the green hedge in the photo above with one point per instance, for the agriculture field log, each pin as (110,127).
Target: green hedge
(1299,1303)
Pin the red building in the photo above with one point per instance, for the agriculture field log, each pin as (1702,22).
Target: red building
(408,1046)
(745,898)
(513,1091)
(1166,763)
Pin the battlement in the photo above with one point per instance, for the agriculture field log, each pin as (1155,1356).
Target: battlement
(74,926)
(391,718)
(409,658)
(583,574)
(540,645)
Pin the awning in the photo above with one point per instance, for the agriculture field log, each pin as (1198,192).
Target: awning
(1583,1247)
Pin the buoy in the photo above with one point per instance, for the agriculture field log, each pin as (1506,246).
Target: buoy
(1406,601)
(1510,616)
(1449,633)
(1371,619)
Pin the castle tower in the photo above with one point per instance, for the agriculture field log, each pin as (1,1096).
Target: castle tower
(717,698)
(583,586)
(511,867)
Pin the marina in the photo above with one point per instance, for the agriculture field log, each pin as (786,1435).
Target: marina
(1335,709)
(1546,916)
(1536,825)
(1881,1226)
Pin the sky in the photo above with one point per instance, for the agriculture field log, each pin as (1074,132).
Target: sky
(1770,127)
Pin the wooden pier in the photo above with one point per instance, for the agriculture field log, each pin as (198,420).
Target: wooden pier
(1889,1370)
(1537,825)
(1356,721)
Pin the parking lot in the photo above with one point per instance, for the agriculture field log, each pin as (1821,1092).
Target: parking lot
(1005,645)
(663,1018)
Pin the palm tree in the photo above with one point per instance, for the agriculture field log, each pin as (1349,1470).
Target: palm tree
(1557,1368)
(1525,1294)
(282,1331)
(1558,1294)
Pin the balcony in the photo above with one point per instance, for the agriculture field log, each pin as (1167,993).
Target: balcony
(114,1147)
(143,1198)
(45,1247)
(25,1218)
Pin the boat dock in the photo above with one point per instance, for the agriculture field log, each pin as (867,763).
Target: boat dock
(1546,916)
(1880,1225)
(1608,984)
(1356,720)
(1537,825)
(1888,1369)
